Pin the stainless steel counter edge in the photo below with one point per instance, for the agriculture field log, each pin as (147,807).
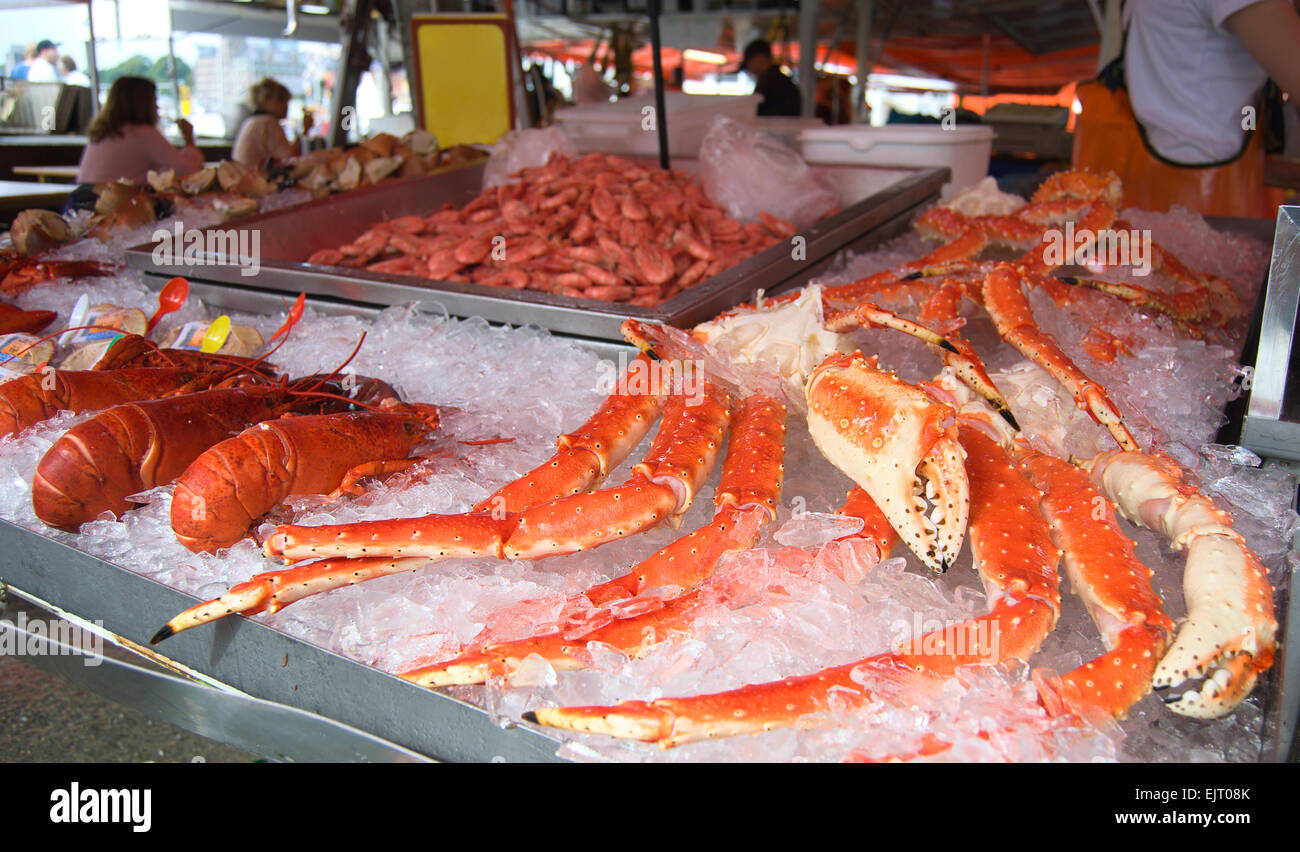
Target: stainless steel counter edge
(263,662)
(122,675)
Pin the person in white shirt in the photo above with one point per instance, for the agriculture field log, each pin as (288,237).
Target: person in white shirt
(43,69)
(71,76)
(1195,68)
(261,137)
(1180,115)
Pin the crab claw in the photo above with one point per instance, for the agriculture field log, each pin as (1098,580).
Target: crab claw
(1232,679)
(1228,638)
(897,444)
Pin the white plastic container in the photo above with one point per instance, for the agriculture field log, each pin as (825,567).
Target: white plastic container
(784,128)
(964,148)
(627,127)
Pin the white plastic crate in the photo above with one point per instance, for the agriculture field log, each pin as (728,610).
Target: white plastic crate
(784,128)
(622,127)
(964,148)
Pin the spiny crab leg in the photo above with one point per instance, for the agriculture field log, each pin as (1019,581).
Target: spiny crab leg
(955,351)
(1015,558)
(1103,569)
(896,443)
(956,254)
(584,457)
(1006,303)
(1229,636)
(746,499)
(632,632)
(1115,586)
(1204,297)
(661,487)
(618,621)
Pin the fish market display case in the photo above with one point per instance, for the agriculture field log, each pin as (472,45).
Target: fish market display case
(256,688)
(242,682)
(286,238)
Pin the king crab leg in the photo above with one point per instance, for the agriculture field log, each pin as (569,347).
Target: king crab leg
(661,487)
(955,351)
(1015,558)
(1229,636)
(1115,586)
(746,499)
(1005,301)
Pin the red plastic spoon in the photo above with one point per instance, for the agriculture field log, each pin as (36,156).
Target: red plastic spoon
(171,298)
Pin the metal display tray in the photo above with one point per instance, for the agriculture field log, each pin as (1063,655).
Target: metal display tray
(246,684)
(269,693)
(287,237)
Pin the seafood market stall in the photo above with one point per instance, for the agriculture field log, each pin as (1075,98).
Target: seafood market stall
(810,593)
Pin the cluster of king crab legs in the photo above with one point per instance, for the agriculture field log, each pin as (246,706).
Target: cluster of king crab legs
(933,465)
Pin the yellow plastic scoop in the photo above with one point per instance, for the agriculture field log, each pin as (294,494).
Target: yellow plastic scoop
(215,337)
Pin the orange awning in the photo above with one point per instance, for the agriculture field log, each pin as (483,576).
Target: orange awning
(960,60)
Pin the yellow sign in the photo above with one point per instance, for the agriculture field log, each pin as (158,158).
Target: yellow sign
(463,80)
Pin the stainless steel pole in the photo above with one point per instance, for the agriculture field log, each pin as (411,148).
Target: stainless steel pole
(808,12)
(661,115)
(866,11)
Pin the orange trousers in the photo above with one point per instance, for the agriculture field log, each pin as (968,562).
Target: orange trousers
(1106,138)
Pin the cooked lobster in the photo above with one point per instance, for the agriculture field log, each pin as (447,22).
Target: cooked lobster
(13,320)
(227,488)
(27,400)
(130,448)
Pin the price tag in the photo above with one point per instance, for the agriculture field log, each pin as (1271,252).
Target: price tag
(111,322)
(191,336)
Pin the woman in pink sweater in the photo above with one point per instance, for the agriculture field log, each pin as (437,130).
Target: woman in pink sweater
(125,143)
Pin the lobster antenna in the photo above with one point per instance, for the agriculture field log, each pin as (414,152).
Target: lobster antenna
(294,315)
(340,367)
(46,337)
(327,395)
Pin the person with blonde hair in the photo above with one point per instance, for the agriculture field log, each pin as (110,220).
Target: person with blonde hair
(261,137)
(125,142)
(21,70)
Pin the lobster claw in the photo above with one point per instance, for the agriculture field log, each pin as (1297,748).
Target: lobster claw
(899,446)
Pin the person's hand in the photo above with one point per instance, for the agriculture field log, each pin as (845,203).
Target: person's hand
(186,129)
(308,122)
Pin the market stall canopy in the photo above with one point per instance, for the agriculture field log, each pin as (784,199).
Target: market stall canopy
(1032,46)
(249,19)
(8,5)
(1010,67)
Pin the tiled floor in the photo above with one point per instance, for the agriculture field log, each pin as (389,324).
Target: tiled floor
(44,719)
